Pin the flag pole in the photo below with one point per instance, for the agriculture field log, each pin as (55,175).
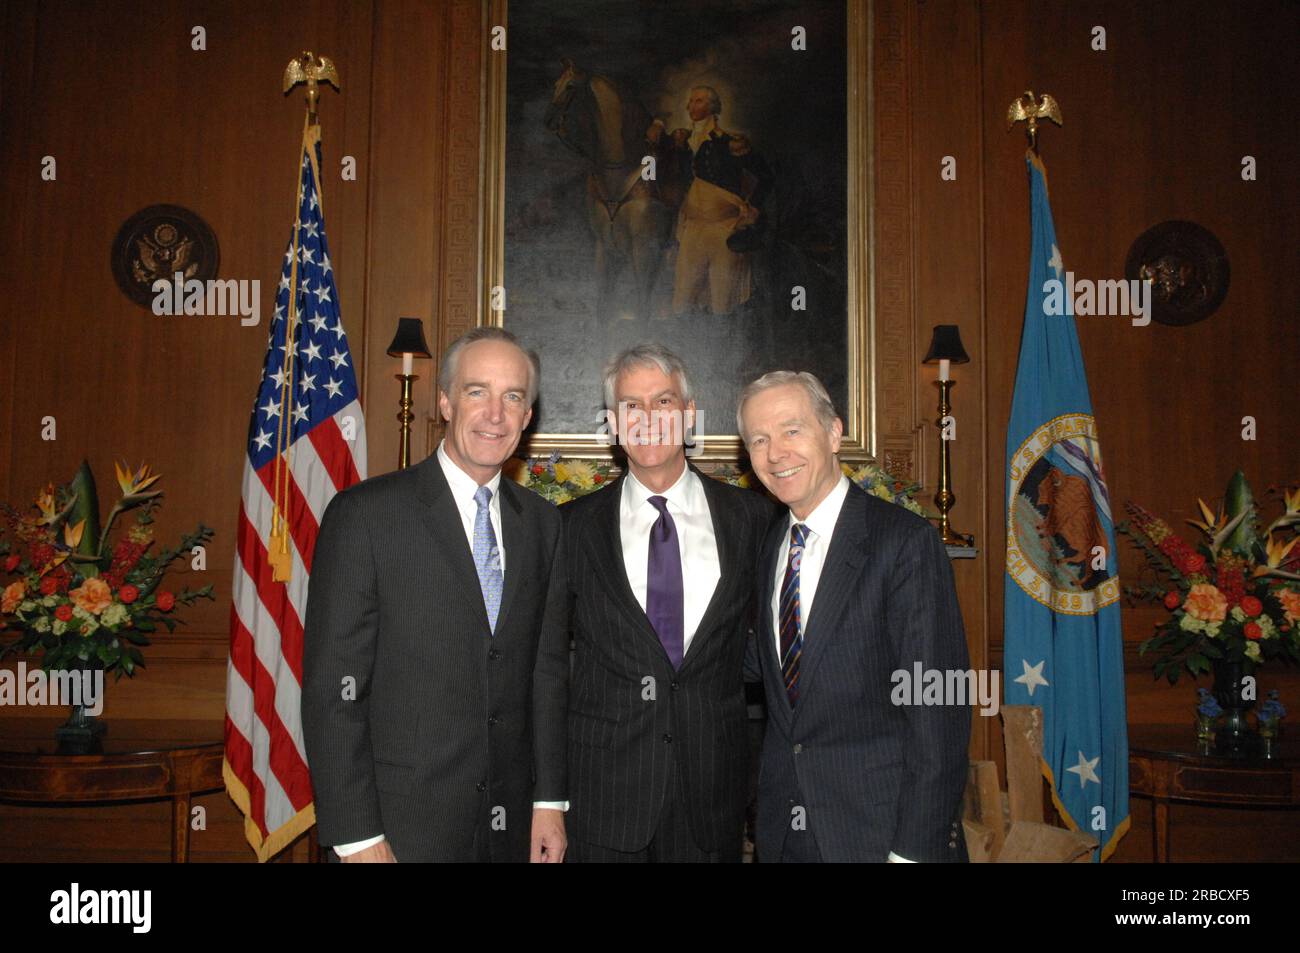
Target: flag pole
(312,70)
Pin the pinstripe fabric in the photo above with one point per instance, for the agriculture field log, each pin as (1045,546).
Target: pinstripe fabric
(631,717)
(865,775)
(450,726)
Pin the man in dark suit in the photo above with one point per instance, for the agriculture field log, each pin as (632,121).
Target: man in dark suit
(854,589)
(662,580)
(435,656)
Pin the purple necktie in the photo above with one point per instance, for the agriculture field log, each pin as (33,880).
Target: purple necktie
(664,598)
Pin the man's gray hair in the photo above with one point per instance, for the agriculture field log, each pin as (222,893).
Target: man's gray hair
(715,101)
(451,358)
(817,396)
(646,355)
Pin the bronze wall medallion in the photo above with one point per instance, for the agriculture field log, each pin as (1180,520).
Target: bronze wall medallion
(1188,269)
(155,243)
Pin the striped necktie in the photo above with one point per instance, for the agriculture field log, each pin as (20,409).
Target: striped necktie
(487,557)
(791,616)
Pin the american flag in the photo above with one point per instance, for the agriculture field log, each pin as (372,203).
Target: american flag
(306,441)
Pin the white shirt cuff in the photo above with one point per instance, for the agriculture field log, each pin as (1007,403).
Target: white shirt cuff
(551,805)
(344,850)
(895,859)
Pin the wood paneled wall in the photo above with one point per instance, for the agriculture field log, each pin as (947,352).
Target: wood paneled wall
(1155,129)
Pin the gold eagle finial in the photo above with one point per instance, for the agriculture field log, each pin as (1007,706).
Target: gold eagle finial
(1026,108)
(311,69)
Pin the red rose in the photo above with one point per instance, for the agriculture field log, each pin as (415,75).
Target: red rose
(166,601)
(11,563)
(1251,606)
(598,479)
(128,594)
(1173,600)
(63,613)
(1253,631)
(1194,563)
(49,584)
(538,470)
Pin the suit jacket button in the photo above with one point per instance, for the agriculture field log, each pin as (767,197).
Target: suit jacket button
(952,843)
(492,719)
(668,739)
(674,686)
(798,749)
(481,786)
(494,654)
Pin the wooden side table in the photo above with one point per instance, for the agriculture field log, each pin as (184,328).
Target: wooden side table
(135,761)
(1167,765)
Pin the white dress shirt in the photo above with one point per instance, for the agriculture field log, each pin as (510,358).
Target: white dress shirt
(821,527)
(689,508)
(463,487)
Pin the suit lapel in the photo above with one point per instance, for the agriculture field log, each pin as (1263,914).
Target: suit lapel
(438,512)
(840,571)
(726,533)
(766,632)
(605,537)
(519,555)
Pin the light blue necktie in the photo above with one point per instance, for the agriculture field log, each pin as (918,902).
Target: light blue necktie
(487,557)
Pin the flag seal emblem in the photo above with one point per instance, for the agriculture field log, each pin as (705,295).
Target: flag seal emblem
(1056,506)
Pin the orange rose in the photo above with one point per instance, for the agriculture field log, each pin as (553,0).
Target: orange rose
(1290,600)
(93,595)
(1206,603)
(13,595)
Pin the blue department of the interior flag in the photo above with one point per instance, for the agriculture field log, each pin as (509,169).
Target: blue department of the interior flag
(1063,641)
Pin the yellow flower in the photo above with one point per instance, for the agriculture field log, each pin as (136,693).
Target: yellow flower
(72,534)
(1252,651)
(134,483)
(45,503)
(1290,600)
(93,595)
(13,595)
(561,472)
(581,474)
(1206,603)
(1277,552)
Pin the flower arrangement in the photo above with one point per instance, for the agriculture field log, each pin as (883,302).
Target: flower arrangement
(79,600)
(878,481)
(1235,597)
(1207,706)
(1270,713)
(556,479)
(1208,712)
(560,480)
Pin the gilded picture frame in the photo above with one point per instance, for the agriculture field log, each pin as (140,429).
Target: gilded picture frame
(854,395)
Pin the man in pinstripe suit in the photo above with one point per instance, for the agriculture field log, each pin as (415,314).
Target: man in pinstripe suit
(854,589)
(435,655)
(662,581)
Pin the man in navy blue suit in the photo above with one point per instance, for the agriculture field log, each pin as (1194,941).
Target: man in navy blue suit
(853,589)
